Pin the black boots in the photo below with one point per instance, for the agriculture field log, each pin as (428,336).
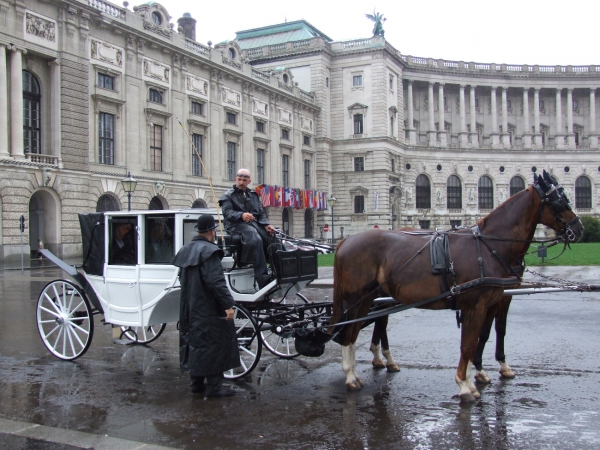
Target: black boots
(215,388)
(197,385)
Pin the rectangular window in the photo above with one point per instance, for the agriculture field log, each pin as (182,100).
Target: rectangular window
(106,138)
(455,223)
(31,124)
(542,105)
(106,81)
(231,118)
(285,134)
(326,81)
(508,104)
(160,245)
(359,204)
(393,165)
(425,224)
(155,96)
(197,108)
(476,103)
(156,138)
(260,126)
(231,161)
(260,166)
(307,174)
(196,164)
(359,164)
(392,83)
(357,80)
(285,170)
(575,104)
(358,124)
(306,140)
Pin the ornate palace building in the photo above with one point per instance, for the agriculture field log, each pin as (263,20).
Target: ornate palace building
(91,91)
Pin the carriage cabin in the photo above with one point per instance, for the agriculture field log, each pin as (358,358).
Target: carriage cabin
(127,261)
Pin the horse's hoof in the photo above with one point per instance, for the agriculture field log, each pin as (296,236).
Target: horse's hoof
(475,393)
(393,368)
(507,374)
(467,398)
(354,386)
(482,378)
(378,364)
(360,382)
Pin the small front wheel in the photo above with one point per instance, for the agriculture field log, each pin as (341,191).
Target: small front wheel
(249,343)
(281,343)
(143,335)
(65,320)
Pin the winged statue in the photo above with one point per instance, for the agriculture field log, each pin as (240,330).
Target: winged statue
(378,19)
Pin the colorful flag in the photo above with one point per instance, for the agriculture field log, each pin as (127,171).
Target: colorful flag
(311,198)
(307,198)
(278,196)
(287,199)
(265,196)
(297,202)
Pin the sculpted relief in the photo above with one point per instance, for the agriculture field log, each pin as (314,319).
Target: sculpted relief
(106,53)
(156,71)
(196,85)
(306,124)
(230,97)
(260,108)
(39,27)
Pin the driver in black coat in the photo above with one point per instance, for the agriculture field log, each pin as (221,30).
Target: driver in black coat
(244,214)
(207,339)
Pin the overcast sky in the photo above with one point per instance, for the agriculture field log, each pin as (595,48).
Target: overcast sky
(507,31)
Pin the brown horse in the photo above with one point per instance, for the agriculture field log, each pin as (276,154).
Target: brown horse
(381,263)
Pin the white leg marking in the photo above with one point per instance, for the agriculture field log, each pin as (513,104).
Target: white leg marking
(481,376)
(391,364)
(356,377)
(469,381)
(377,358)
(349,365)
(506,371)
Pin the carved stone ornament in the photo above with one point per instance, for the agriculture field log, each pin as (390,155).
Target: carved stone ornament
(260,108)
(156,71)
(230,97)
(285,117)
(306,124)
(39,29)
(196,85)
(106,53)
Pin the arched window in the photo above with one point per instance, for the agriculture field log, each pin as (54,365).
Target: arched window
(198,204)
(31,114)
(423,192)
(517,184)
(583,193)
(285,218)
(486,193)
(156,204)
(453,193)
(308,223)
(107,202)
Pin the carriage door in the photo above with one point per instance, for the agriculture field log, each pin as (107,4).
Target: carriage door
(122,271)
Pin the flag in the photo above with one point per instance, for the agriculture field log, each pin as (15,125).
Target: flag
(278,196)
(311,198)
(297,203)
(287,200)
(376,201)
(265,196)
(307,199)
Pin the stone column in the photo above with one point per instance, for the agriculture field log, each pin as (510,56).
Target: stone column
(3,104)
(494,134)
(463,135)
(526,129)
(16,104)
(559,140)
(537,136)
(412,134)
(431,133)
(55,131)
(593,136)
(570,134)
(474,137)
(443,138)
(505,135)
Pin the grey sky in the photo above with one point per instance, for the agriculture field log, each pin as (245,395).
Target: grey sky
(507,31)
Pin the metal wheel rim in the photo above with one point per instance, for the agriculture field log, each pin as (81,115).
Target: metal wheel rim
(143,335)
(65,321)
(249,344)
(282,346)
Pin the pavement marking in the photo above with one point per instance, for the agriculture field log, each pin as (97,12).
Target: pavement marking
(71,437)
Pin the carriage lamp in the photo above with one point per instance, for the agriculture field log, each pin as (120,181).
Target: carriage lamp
(129,184)
(331,201)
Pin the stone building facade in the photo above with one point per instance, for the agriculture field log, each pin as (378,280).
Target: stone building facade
(409,141)
(90,91)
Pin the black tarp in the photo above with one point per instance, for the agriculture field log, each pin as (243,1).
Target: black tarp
(92,233)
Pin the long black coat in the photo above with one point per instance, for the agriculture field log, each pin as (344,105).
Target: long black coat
(207,342)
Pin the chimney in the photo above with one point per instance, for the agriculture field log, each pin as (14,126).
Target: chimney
(188,23)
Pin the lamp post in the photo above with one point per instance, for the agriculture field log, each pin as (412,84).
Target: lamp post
(321,230)
(129,184)
(342,232)
(331,201)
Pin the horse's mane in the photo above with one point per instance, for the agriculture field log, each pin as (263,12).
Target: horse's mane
(502,208)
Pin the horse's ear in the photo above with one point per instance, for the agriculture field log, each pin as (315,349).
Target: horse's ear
(547,177)
(535,177)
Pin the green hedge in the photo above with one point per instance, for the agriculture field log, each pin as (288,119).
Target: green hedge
(591,232)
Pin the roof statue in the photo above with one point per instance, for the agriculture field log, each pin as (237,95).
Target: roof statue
(378,19)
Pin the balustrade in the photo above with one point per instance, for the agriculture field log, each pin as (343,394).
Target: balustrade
(108,8)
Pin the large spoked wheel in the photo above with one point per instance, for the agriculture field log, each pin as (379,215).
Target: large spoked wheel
(143,335)
(65,320)
(281,343)
(249,344)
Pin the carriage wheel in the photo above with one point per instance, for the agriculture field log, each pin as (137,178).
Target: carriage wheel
(249,344)
(65,320)
(282,343)
(143,335)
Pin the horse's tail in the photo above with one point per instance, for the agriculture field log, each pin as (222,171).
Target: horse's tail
(338,302)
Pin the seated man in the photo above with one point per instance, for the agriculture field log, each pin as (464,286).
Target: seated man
(244,214)
(160,247)
(122,247)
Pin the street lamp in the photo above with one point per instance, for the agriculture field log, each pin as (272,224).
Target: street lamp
(331,201)
(129,184)
(342,232)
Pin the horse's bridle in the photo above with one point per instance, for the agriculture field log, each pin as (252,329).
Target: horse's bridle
(558,203)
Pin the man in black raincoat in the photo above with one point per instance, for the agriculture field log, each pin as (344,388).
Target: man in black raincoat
(207,339)
(244,214)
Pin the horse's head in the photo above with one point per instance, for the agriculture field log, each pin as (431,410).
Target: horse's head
(558,215)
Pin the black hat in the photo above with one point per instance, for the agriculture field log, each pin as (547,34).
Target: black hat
(205,223)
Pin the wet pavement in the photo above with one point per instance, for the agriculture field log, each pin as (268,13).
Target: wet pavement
(136,395)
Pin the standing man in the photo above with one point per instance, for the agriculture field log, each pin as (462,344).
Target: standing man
(244,214)
(207,339)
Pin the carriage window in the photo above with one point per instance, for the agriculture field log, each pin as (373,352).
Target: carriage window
(453,193)
(159,239)
(517,184)
(423,192)
(122,247)
(583,193)
(486,193)
(188,230)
